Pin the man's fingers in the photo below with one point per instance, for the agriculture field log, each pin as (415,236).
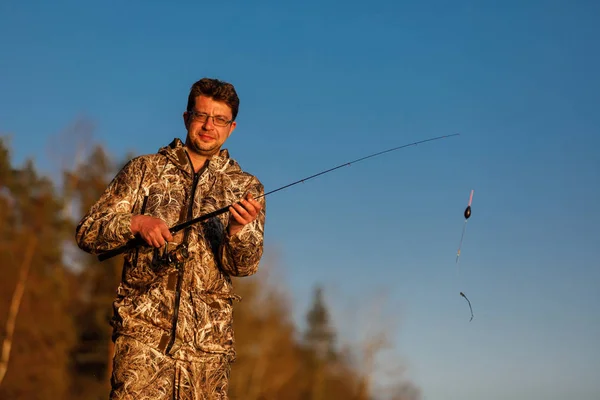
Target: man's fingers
(156,240)
(257,206)
(236,214)
(244,211)
(252,206)
(253,201)
(156,233)
(248,210)
(166,234)
(151,240)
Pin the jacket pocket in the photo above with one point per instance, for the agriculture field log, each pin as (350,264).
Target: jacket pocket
(213,320)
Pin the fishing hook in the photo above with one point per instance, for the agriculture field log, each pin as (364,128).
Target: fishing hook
(471,308)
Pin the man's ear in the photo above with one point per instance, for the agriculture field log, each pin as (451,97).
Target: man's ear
(186,120)
(231,128)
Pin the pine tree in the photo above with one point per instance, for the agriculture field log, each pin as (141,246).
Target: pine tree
(92,358)
(36,286)
(319,341)
(319,336)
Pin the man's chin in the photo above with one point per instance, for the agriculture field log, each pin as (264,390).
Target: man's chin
(204,151)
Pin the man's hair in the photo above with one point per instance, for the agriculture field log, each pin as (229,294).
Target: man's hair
(218,91)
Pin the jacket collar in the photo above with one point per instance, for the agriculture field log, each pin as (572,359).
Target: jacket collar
(177,154)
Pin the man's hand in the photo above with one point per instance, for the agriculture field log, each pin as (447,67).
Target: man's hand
(153,230)
(243,213)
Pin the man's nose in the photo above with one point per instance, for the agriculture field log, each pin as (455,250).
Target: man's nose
(208,124)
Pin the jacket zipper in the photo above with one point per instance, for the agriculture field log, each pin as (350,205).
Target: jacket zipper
(180,269)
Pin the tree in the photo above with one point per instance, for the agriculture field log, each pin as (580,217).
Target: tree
(56,302)
(35,295)
(269,363)
(97,282)
(370,351)
(319,336)
(330,374)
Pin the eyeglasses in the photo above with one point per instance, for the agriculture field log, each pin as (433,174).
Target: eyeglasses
(218,120)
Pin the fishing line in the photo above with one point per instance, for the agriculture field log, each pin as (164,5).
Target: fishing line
(140,242)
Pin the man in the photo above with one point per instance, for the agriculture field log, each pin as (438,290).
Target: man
(172,323)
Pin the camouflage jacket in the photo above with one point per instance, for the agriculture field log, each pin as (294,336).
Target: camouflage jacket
(184,310)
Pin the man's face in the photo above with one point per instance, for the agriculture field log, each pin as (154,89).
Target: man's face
(204,137)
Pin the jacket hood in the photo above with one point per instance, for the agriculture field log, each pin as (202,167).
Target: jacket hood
(176,152)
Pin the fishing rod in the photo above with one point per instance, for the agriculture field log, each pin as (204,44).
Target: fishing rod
(133,243)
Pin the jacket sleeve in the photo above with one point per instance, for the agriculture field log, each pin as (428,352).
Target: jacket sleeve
(241,253)
(107,224)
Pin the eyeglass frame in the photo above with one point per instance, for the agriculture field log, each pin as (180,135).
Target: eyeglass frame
(196,114)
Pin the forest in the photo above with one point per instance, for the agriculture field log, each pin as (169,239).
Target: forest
(56,302)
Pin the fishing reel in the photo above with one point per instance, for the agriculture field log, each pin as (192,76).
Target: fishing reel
(164,257)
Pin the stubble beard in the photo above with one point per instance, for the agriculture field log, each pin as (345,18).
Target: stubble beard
(200,148)
(203,149)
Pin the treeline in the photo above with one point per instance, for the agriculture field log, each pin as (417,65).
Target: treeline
(56,301)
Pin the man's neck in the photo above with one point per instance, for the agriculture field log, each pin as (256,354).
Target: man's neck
(198,160)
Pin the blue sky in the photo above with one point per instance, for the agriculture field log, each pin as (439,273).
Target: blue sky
(322,83)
